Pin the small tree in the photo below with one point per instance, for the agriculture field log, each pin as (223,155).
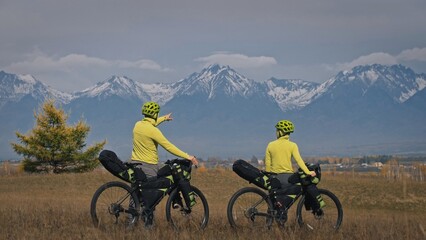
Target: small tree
(52,146)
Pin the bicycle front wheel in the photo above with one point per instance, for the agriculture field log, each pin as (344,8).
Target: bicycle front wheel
(250,208)
(180,217)
(114,204)
(328,220)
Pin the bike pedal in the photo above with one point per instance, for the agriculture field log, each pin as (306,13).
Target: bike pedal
(177,206)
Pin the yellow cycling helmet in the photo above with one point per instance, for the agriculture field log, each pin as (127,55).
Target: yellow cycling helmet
(285,125)
(151,109)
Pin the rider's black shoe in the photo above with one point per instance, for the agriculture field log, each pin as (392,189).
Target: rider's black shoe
(149,220)
(318,213)
(281,217)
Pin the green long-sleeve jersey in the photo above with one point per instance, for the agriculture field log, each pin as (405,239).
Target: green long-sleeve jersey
(147,137)
(278,156)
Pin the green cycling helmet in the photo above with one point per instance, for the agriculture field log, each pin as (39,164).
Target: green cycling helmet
(151,109)
(285,125)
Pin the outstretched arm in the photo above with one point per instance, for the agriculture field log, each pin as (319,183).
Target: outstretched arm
(166,144)
(167,117)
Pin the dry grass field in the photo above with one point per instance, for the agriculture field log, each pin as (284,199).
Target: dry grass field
(57,207)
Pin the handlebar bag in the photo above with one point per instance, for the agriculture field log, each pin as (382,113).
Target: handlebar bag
(308,180)
(170,165)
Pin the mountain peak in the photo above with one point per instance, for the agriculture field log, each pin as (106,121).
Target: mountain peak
(217,68)
(121,86)
(216,71)
(370,73)
(21,78)
(14,87)
(27,78)
(398,81)
(120,81)
(216,80)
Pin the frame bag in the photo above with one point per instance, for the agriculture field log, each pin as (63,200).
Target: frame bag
(153,189)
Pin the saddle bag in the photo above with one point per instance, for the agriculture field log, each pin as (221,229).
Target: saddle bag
(118,168)
(252,174)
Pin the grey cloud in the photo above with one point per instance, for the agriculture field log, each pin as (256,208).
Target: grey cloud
(237,60)
(85,41)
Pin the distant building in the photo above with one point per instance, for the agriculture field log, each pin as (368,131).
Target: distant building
(378,164)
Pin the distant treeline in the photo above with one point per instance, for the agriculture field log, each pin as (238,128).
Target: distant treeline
(368,159)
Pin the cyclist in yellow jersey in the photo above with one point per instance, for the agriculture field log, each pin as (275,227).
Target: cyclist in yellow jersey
(278,157)
(147,137)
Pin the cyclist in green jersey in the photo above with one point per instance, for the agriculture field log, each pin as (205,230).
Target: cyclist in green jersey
(146,138)
(278,157)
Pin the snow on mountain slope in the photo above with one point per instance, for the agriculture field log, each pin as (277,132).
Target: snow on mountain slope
(290,94)
(159,92)
(215,80)
(14,87)
(398,81)
(116,86)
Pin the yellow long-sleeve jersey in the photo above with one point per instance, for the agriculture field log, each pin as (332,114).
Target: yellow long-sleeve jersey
(278,156)
(146,137)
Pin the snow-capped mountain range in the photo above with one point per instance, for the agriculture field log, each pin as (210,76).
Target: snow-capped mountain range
(400,82)
(222,98)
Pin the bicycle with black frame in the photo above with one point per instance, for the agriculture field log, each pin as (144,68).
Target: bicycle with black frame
(119,203)
(252,207)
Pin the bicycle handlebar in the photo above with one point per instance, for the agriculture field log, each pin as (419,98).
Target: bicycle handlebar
(184,162)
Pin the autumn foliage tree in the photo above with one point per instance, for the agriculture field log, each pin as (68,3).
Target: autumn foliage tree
(54,147)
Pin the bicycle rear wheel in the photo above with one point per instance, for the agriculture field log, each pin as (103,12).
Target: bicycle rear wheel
(114,204)
(180,217)
(250,208)
(329,220)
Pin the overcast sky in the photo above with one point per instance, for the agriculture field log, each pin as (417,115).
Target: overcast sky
(71,45)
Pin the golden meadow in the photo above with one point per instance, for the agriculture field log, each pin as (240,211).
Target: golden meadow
(48,206)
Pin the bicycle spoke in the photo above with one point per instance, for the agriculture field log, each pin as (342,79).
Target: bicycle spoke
(327,219)
(114,205)
(196,218)
(249,209)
